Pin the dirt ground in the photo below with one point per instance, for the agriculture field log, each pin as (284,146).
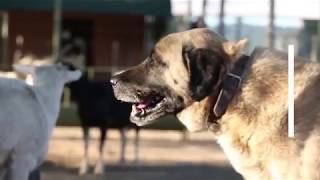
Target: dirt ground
(164,155)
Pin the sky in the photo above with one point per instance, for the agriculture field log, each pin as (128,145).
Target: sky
(289,13)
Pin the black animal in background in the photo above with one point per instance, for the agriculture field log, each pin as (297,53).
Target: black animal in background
(97,107)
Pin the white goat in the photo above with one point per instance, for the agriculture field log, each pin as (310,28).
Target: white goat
(27,117)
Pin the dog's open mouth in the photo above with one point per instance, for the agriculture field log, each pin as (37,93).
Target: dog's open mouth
(141,108)
(148,109)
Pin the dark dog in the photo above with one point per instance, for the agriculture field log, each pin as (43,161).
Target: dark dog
(97,107)
(209,84)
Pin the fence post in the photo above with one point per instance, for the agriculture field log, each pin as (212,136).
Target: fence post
(221,17)
(5,39)
(91,72)
(271,35)
(57,4)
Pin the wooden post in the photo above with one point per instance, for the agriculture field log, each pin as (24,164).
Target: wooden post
(202,18)
(189,11)
(5,39)
(204,9)
(318,42)
(271,35)
(221,17)
(91,72)
(56,36)
(314,48)
(66,97)
(238,28)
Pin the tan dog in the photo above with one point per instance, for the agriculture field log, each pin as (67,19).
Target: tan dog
(185,75)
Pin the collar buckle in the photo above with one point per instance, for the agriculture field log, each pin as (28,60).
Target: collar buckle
(230,86)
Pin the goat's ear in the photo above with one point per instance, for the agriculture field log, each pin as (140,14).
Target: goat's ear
(206,69)
(26,69)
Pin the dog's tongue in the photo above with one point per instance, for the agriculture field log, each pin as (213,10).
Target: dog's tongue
(144,103)
(141,106)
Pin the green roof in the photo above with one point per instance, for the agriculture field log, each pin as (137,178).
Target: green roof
(136,7)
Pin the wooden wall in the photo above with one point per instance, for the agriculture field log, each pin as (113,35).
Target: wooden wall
(36,30)
(116,39)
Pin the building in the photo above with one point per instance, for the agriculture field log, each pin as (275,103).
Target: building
(112,30)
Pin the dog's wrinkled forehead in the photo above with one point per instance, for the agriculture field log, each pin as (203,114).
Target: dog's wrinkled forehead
(172,44)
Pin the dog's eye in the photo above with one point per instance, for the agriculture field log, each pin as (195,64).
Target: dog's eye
(155,60)
(158,61)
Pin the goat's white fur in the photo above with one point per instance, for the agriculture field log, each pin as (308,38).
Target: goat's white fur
(27,117)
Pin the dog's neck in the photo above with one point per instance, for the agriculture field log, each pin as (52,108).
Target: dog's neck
(221,99)
(207,112)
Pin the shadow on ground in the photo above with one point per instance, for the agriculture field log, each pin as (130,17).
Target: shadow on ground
(51,171)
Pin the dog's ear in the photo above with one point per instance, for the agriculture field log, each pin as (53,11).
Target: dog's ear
(206,69)
(234,48)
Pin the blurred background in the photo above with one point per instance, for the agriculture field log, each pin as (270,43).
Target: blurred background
(116,34)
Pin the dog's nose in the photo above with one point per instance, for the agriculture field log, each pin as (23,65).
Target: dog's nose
(114,81)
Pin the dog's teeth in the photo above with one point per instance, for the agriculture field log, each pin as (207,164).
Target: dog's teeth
(135,110)
(143,112)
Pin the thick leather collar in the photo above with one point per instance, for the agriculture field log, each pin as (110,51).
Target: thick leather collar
(229,87)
